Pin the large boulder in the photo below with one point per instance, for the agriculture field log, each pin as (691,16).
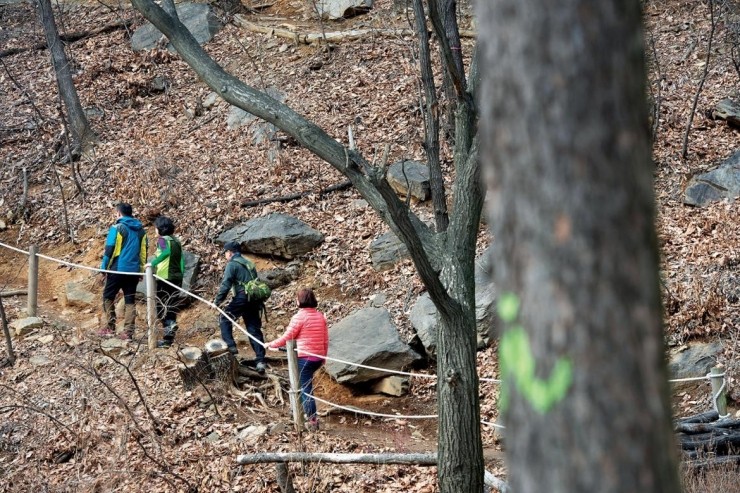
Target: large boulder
(693,360)
(338,9)
(410,177)
(197,17)
(77,294)
(715,185)
(425,319)
(386,250)
(24,326)
(367,337)
(275,235)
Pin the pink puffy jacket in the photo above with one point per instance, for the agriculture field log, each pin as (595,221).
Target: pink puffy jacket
(308,328)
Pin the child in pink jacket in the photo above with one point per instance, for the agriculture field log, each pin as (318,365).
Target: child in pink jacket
(308,328)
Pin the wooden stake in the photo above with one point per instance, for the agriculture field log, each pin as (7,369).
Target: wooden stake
(33,281)
(151,308)
(295,386)
(719,387)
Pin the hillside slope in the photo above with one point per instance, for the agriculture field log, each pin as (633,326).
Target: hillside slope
(79,422)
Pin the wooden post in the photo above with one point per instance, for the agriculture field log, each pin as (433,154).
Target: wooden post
(295,386)
(719,390)
(33,281)
(151,307)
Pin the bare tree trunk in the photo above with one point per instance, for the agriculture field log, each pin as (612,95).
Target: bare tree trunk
(586,397)
(6,331)
(81,131)
(430,111)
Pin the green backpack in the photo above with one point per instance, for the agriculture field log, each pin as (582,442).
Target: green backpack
(256,290)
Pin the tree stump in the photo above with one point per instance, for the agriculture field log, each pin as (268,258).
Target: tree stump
(222,364)
(193,367)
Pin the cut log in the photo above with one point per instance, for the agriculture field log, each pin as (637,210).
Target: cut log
(719,426)
(329,37)
(17,292)
(193,367)
(711,442)
(418,459)
(709,462)
(706,417)
(222,364)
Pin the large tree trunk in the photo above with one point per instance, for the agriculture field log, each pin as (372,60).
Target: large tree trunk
(459,437)
(572,211)
(82,134)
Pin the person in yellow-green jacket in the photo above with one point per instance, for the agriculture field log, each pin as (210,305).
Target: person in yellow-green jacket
(169,264)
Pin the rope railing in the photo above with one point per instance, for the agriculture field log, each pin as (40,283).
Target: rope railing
(365,412)
(234,322)
(716,395)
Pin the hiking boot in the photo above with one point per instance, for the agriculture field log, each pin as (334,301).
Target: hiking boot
(233,350)
(164,344)
(106,332)
(261,367)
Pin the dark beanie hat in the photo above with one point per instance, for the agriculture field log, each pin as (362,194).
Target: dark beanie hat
(232,246)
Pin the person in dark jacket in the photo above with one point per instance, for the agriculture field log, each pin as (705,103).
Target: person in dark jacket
(238,272)
(125,252)
(169,264)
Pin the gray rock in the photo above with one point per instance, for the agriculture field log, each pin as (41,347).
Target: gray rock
(46,339)
(394,385)
(338,9)
(40,361)
(238,117)
(210,100)
(278,235)
(728,110)
(280,428)
(410,177)
(715,185)
(693,360)
(425,320)
(377,300)
(251,434)
(281,276)
(197,17)
(77,294)
(24,326)
(112,346)
(367,337)
(386,250)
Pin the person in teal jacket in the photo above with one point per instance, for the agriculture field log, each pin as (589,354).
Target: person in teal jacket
(169,264)
(125,252)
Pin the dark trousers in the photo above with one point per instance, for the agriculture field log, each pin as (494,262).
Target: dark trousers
(168,303)
(120,282)
(239,306)
(306,369)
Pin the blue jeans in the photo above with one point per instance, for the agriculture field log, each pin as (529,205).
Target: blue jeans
(306,369)
(250,313)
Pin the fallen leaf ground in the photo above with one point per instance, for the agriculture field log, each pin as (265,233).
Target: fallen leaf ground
(82,422)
